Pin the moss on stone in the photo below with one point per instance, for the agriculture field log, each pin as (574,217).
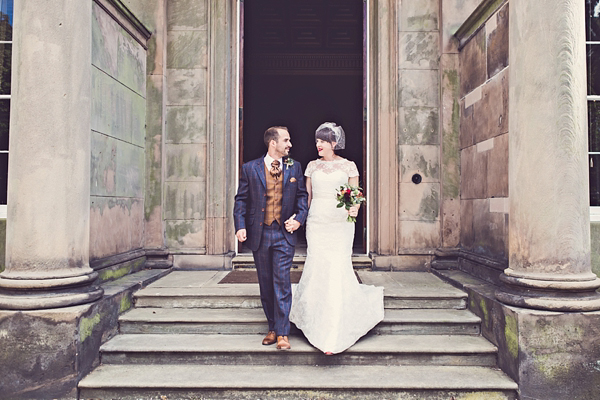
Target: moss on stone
(511,335)
(87,325)
(112,274)
(484,311)
(125,304)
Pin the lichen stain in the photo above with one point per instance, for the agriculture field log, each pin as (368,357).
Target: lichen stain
(112,274)
(511,335)
(86,326)
(550,345)
(484,311)
(125,304)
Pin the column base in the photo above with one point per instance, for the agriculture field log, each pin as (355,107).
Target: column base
(39,294)
(575,293)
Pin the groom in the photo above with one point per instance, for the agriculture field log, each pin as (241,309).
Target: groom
(270,205)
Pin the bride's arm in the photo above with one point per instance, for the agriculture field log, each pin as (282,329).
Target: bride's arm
(309,190)
(353,211)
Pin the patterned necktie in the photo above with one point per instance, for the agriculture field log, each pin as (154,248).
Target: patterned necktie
(275,170)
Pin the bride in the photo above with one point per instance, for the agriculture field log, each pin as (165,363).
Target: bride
(329,305)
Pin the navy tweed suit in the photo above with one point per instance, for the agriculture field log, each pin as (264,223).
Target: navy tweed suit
(272,246)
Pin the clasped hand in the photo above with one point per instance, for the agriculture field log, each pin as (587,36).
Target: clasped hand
(353,211)
(291,224)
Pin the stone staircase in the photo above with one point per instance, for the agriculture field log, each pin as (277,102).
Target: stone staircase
(191,337)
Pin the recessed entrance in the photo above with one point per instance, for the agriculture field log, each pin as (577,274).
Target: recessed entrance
(302,65)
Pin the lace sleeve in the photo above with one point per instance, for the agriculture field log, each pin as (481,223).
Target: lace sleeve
(351,169)
(310,168)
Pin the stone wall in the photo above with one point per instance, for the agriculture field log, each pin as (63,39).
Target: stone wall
(186,133)
(117,144)
(418,126)
(484,138)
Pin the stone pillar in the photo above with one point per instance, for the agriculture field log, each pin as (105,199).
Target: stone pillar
(384,112)
(48,224)
(220,235)
(549,228)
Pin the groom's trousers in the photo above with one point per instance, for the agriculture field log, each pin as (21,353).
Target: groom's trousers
(273,261)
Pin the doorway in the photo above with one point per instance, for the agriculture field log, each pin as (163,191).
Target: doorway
(302,65)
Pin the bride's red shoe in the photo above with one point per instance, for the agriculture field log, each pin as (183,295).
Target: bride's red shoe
(328,353)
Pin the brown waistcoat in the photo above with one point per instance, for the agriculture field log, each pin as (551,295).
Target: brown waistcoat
(274,197)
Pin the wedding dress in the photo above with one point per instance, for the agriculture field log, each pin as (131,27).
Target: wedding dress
(329,305)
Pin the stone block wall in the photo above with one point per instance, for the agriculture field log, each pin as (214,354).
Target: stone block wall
(484,139)
(117,140)
(418,126)
(186,129)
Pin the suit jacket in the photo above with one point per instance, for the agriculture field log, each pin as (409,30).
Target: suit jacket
(251,200)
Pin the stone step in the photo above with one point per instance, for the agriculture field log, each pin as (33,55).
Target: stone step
(246,260)
(247,296)
(247,321)
(203,290)
(295,382)
(248,350)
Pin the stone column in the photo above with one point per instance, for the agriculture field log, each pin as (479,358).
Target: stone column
(549,229)
(48,224)
(384,105)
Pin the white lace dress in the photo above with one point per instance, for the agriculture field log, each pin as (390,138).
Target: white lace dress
(329,305)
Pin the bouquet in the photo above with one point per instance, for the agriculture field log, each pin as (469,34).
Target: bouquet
(349,196)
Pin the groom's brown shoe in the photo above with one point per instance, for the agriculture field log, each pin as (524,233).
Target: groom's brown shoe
(271,338)
(283,343)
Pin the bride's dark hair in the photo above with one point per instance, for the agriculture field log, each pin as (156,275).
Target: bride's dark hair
(331,132)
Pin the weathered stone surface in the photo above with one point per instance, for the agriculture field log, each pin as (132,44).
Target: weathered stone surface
(454,14)
(116,53)
(473,70)
(116,226)
(2,243)
(419,125)
(450,150)
(116,110)
(497,42)
(185,200)
(473,167)
(187,49)
(419,234)
(131,63)
(130,170)
(467,234)
(103,176)
(105,38)
(186,162)
(146,11)
(186,234)
(490,231)
(422,160)
(186,86)
(419,50)
(187,14)
(186,124)
(38,357)
(595,239)
(450,222)
(153,199)
(419,202)
(419,15)
(558,354)
(419,88)
(497,170)
(486,115)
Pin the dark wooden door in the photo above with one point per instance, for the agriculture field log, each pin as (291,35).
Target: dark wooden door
(302,66)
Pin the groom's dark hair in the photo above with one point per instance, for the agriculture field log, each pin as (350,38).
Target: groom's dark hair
(273,134)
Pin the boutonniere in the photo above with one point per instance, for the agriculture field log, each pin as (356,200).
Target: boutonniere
(288,162)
